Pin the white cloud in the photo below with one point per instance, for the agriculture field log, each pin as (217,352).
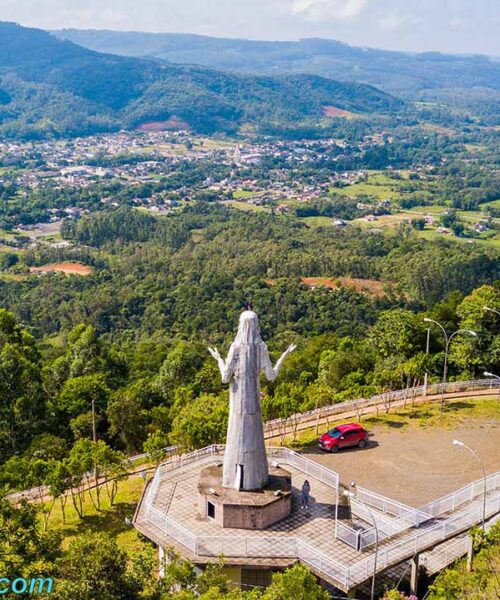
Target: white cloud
(321,10)
(390,22)
(458,22)
(395,22)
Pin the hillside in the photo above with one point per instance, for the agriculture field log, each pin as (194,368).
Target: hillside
(50,86)
(400,73)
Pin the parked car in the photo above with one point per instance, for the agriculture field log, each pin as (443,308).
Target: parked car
(344,436)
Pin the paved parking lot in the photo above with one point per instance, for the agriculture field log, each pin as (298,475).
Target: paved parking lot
(416,465)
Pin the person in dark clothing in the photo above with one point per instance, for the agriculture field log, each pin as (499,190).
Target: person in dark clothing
(306,490)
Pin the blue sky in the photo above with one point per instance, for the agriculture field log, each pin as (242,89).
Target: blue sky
(458,26)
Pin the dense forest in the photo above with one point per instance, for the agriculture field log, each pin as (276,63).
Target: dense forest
(133,334)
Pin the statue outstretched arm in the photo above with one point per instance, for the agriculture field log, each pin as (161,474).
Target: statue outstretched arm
(270,371)
(226,367)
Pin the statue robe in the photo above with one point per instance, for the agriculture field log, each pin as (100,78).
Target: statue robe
(245,460)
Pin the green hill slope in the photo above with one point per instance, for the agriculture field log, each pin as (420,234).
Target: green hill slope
(50,86)
(396,72)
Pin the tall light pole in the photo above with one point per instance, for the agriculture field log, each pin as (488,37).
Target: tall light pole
(493,310)
(374,521)
(474,454)
(493,376)
(448,339)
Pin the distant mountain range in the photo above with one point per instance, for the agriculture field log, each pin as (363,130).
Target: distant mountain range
(50,86)
(400,73)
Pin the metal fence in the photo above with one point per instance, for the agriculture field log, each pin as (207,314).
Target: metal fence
(394,553)
(443,555)
(407,516)
(278,427)
(414,516)
(466,494)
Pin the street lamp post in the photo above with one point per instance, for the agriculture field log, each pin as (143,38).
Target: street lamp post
(493,310)
(493,376)
(474,454)
(374,521)
(448,339)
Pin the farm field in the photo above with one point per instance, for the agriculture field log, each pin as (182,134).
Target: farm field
(245,206)
(393,221)
(318,221)
(379,185)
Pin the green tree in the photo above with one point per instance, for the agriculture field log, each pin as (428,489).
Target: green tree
(397,332)
(155,445)
(474,355)
(202,422)
(296,583)
(78,393)
(22,401)
(25,550)
(94,568)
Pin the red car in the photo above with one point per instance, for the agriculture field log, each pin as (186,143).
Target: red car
(343,436)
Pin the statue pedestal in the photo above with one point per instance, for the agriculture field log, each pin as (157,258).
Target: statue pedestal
(231,508)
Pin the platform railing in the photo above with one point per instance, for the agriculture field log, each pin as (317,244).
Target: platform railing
(420,540)
(407,516)
(465,494)
(295,547)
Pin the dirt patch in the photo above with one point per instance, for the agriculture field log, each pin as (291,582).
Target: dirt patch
(363,286)
(172,123)
(70,268)
(333,111)
(417,465)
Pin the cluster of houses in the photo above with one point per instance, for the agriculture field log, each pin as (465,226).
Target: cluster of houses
(267,172)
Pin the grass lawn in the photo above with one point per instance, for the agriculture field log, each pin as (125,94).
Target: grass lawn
(491,241)
(197,235)
(379,185)
(318,221)
(238,194)
(246,206)
(424,415)
(110,519)
(493,203)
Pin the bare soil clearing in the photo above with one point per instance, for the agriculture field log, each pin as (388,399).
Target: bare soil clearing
(333,111)
(364,286)
(70,268)
(417,465)
(172,123)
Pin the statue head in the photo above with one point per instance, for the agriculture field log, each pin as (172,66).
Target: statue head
(248,328)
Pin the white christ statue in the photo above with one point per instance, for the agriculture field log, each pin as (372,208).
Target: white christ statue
(245,460)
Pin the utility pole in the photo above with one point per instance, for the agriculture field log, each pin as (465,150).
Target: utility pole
(94,438)
(94,433)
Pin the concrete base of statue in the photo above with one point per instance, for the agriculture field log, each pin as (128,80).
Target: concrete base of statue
(230,508)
